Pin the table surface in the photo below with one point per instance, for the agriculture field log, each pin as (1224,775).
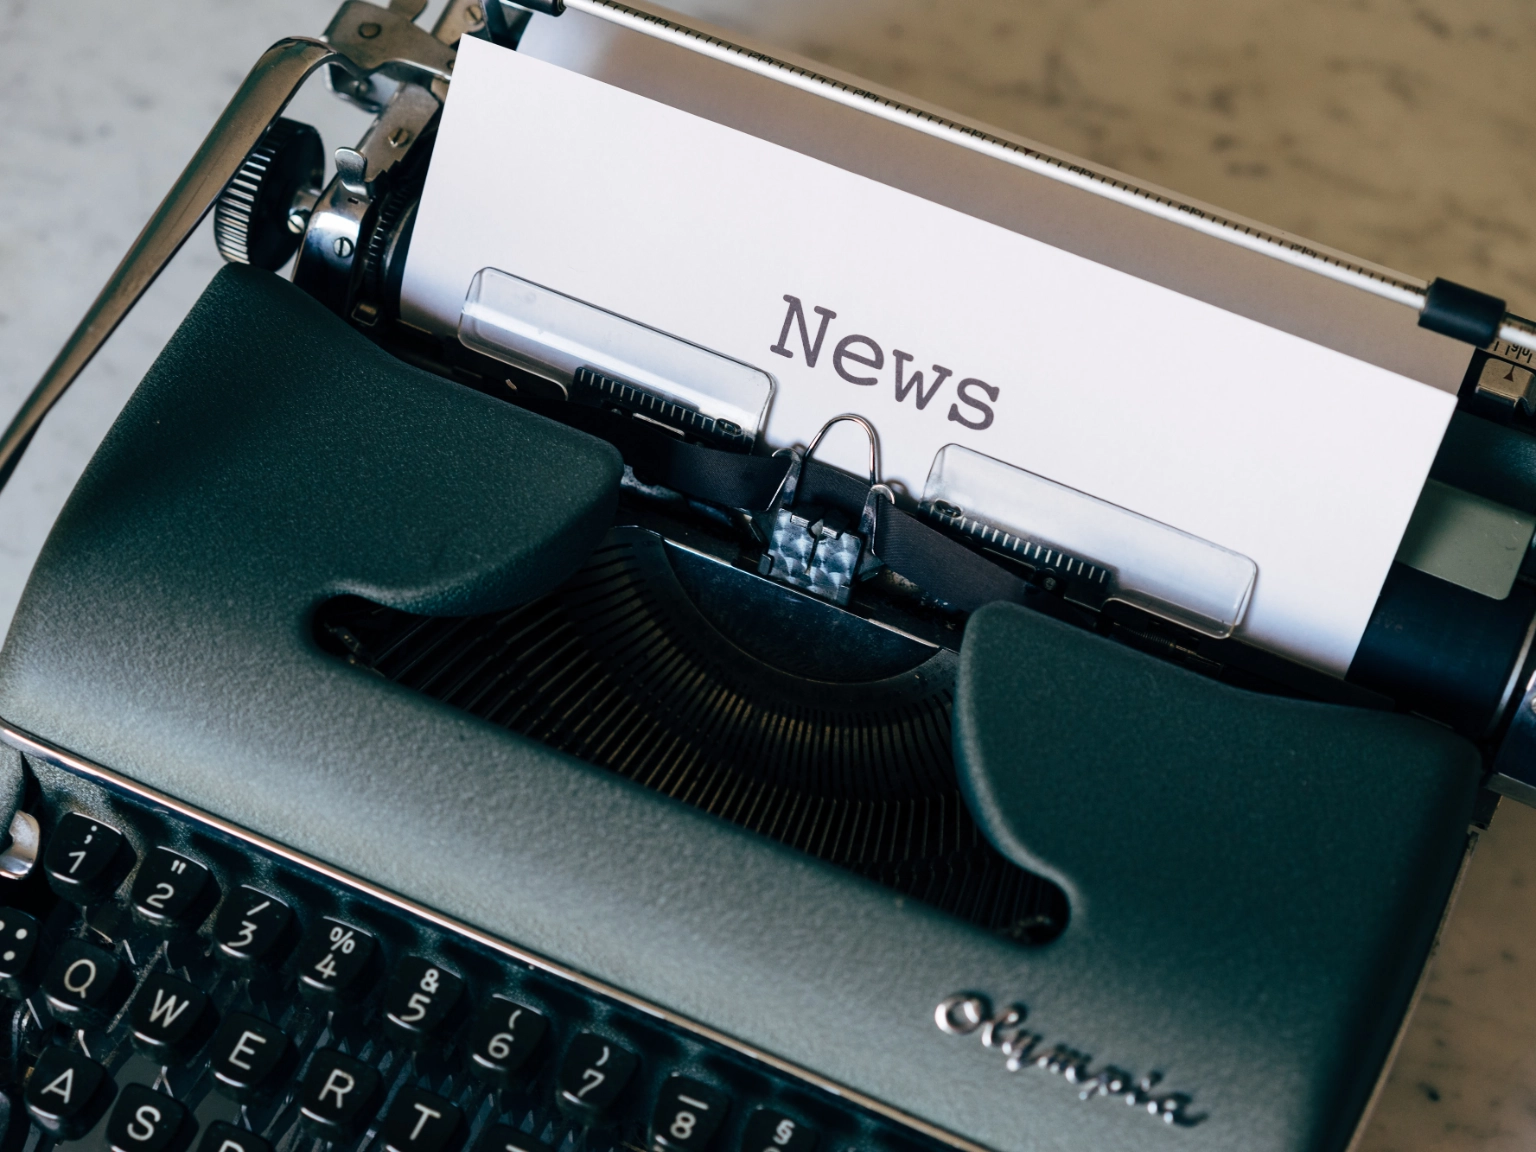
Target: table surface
(1398,130)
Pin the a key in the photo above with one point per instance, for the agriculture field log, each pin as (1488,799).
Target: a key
(170,1018)
(688,1112)
(86,860)
(421,1121)
(420,1001)
(254,927)
(144,1120)
(68,1092)
(339,1095)
(19,958)
(769,1130)
(593,1073)
(171,891)
(84,984)
(222,1136)
(250,1058)
(502,1039)
(336,962)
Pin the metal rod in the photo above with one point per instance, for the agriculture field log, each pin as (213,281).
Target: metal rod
(1395,286)
(279,73)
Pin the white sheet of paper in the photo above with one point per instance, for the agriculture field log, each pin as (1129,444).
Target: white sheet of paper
(1305,460)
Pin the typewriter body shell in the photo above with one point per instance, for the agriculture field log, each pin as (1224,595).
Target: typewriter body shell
(1252,881)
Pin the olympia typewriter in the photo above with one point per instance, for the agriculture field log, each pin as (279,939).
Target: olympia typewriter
(429,741)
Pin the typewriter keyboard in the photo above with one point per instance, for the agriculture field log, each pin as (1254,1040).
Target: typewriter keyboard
(174,985)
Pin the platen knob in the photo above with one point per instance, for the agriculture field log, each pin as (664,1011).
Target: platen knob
(255,220)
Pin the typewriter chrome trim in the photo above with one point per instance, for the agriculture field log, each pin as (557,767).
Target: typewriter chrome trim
(31,745)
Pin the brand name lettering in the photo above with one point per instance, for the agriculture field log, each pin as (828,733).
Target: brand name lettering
(860,360)
(966,1014)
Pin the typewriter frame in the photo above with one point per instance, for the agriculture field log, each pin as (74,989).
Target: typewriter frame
(398,50)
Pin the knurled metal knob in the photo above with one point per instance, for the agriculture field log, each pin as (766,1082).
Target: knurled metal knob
(254,220)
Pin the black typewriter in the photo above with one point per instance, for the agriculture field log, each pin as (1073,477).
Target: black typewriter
(404,753)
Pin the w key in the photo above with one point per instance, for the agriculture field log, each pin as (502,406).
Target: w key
(170,1018)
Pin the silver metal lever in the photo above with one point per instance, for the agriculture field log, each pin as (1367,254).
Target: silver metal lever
(279,73)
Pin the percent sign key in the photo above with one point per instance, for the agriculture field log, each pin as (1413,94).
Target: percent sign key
(337,961)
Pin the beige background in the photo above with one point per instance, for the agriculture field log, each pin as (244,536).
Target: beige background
(1402,131)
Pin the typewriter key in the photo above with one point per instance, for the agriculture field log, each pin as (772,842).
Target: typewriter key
(68,1092)
(504,1036)
(592,1075)
(336,961)
(148,1121)
(253,927)
(772,1131)
(170,1018)
(15,1127)
(501,1138)
(687,1114)
(249,1057)
(225,1137)
(421,999)
(18,952)
(84,984)
(173,892)
(421,1121)
(339,1095)
(86,860)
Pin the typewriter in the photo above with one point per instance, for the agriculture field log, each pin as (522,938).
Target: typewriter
(416,749)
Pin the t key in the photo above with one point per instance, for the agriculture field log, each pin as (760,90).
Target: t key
(421,1121)
(86,860)
(172,891)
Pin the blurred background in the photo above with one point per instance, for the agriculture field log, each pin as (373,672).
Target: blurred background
(1403,131)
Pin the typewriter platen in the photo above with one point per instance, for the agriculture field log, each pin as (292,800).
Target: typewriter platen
(372,792)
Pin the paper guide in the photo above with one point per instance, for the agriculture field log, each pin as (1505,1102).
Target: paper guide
(937,327)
